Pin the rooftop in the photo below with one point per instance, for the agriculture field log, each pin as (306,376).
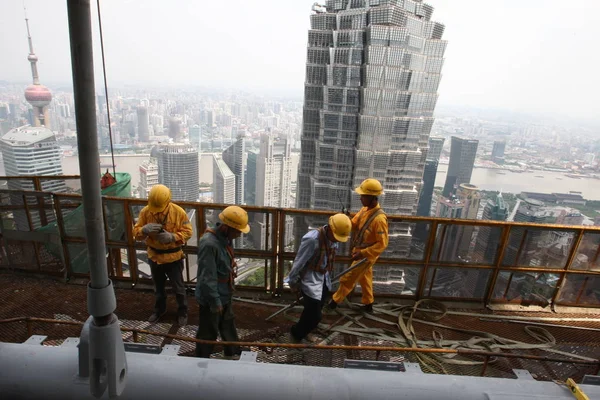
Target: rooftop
(543,317)
(57,310)
(27,135)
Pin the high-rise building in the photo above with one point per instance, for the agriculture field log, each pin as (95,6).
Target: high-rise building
(274,172)
(589,158)
(429,174)
(436,145)
(148,177)
(31,151)
(37,95)
(273,182)
(143,124)
(195,136)
(498,152)
(250,178)
(525,245)
(462,160)
(470,196)
(488,238)
(178,170)
(234,158)
(224,182)
(372,73)
(175,128)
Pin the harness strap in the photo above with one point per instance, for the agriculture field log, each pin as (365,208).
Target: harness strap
(358,240)
(166,251)
(233,272)
(316,261)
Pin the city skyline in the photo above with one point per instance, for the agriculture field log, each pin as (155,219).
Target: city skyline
(469,76)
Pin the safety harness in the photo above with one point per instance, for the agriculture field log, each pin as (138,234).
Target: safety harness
(316,261)
(358,240)
(163,223)
(233,267)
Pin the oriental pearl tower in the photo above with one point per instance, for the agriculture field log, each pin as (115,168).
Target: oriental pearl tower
(37,95)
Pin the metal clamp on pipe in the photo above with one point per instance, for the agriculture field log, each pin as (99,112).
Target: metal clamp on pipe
(107,362)
(108,365)
(101,302)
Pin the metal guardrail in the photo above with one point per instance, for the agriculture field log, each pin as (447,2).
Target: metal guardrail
(445,259)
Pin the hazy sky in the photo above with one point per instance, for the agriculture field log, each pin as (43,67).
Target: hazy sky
(528,55)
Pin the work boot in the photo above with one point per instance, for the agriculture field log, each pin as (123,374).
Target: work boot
(367,308)
(332,305)
(182,320)
(156,316)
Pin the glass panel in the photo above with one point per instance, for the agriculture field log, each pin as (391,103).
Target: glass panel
(468,283)
(78,258)
(400,241)
(117,262)
(580,289)
(251,272)
(73,219)
(395,279)
(114,213)
(525,287)
(21,254)
(420,235)
(297,225)
(466,244)
(537,247)
(50,259)
(587,253)
(143,268)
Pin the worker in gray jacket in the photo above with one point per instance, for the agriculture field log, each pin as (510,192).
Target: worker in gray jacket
(214,287)
(310,274)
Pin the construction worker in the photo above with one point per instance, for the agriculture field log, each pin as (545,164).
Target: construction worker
(166,228)
(310,274)
(216,274)
(369,240)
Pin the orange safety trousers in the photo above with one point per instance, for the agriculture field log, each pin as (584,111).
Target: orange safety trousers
(362,275)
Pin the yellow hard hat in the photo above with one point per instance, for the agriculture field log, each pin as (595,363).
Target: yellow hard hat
(371,187)
(235,217)
(159,198)
(341,226)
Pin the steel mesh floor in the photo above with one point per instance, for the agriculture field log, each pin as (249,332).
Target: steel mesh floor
(27,296)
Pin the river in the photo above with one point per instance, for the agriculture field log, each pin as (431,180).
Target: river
(486,179)
(535,181)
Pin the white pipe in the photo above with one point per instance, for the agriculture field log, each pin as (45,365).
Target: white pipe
(35,372)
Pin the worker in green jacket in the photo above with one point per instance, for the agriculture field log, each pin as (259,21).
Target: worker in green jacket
(214,287)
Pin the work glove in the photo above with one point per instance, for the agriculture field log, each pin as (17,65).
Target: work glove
(165,237)
(151,228)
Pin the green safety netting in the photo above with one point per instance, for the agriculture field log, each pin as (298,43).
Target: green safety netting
(75,226)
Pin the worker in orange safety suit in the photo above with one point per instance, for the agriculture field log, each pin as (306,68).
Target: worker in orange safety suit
(166,228)
(369,240)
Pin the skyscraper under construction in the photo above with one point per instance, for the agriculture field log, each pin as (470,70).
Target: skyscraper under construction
(372,72)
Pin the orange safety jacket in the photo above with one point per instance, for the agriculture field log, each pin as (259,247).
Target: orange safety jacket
(370,232)
(173,219)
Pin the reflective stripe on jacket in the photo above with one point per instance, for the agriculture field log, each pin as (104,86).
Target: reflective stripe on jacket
(173,219)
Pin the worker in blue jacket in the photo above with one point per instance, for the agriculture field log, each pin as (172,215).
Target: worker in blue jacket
(310,274)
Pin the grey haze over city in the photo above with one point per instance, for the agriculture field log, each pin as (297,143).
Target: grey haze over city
(526,56)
